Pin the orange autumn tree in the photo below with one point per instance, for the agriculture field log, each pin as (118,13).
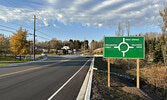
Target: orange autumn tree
(18,43)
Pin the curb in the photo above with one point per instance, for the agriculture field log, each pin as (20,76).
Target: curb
(9,65)
(85,91)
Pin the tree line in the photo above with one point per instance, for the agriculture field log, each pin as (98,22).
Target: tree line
(58,44)
(17,44)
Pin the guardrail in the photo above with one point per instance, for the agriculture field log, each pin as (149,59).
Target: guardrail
(85,91)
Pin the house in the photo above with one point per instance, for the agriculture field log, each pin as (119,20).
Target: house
(66,47)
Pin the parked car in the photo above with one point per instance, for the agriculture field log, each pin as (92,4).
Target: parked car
(87,56)
(44,54)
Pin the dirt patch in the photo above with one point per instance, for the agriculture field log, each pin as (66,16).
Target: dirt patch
(136,91)
(100,90)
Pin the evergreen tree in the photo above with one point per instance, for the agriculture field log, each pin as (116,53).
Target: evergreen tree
(158,54)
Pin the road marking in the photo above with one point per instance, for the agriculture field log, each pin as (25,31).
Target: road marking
(67,82)
(12,73)
(19,71)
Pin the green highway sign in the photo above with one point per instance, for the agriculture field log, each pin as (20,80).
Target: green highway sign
(124,47)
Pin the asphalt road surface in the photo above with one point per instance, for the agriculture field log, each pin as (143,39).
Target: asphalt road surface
(57,78)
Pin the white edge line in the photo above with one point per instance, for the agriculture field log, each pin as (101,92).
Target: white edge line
(67,82)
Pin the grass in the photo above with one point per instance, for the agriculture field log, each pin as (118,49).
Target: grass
(101,64)
(12,62)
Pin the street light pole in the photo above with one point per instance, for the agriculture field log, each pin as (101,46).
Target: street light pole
(34,39)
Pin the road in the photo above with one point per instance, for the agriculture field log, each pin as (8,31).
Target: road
(57,78)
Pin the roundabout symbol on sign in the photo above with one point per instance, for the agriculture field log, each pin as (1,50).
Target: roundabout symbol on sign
(126,45)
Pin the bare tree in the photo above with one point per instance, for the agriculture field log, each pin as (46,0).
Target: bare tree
(128,27)
(120,31)
(163,26)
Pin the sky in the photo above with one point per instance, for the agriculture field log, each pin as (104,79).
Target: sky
(79,19)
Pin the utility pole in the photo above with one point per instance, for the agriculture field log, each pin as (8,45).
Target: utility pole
(34,38)
(84,44)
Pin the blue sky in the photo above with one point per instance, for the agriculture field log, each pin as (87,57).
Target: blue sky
(79,19)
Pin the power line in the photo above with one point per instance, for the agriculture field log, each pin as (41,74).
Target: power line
(43,37)
(44,34)
(8,27)
(6,30)
(20,25)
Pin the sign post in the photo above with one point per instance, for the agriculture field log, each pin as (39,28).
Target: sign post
(124,48)
(138,75)
(108,72)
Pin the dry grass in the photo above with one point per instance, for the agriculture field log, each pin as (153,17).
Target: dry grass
(156,76)
(153,76)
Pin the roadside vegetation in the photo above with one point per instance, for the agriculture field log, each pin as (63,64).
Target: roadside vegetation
(153,78)
(13,62)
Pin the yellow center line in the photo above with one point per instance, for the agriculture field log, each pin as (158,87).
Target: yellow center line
(12,73)
(19,71)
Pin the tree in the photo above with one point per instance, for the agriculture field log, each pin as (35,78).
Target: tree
(65,43)
(94,45)
(157,54)
(128,27)
(53,43)
(147,44)
(4,45)
(152,45)
(18,43)
(77,44)
(163,26)
(71,44)
(101,43)
(120,31)
(85,44)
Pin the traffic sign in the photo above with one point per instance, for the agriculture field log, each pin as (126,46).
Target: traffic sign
(124,47)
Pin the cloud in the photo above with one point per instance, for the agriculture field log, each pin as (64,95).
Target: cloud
(54,25)
(105,4)
(100,25)
(97,13)
(52,1)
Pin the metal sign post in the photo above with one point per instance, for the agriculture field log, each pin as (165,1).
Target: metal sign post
(124,48)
